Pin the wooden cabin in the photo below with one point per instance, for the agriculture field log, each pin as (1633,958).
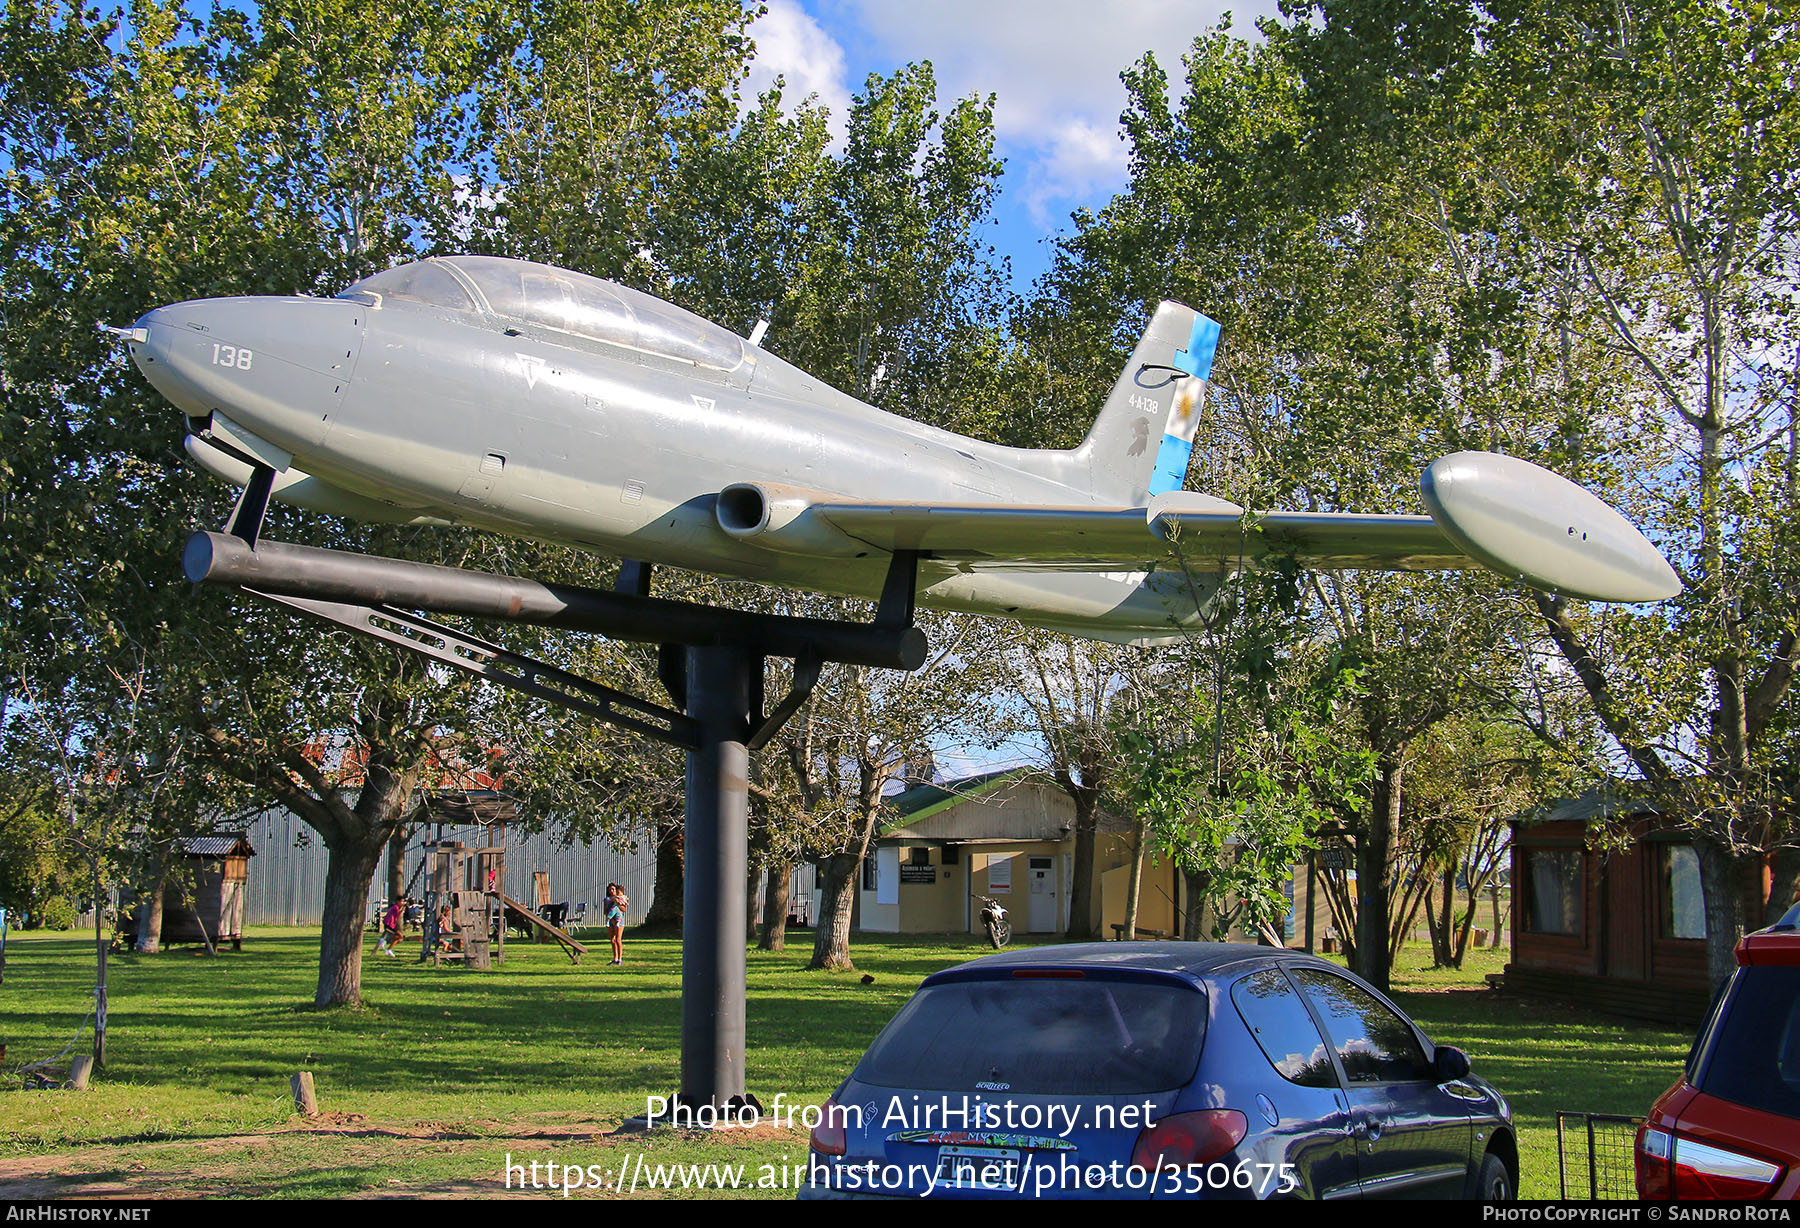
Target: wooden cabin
(1622,930)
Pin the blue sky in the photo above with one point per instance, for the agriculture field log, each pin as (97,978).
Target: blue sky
(1053,64)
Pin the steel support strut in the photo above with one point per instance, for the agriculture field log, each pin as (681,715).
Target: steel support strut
(720,691)
(717,844)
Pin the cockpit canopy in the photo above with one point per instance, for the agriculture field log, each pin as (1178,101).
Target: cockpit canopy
(557,299)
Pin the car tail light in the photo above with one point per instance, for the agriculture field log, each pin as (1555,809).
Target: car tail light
(1671,1166)
(1705,1171)
(1652,1155)
(828,1135)
(1189,1138)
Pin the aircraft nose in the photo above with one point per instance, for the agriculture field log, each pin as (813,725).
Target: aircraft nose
(276,366)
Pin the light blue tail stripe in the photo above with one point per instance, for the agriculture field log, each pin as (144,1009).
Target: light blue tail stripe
(1203,340)
(1171,465)
(1171,468)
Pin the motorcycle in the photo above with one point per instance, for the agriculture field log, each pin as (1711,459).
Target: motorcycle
(993,916)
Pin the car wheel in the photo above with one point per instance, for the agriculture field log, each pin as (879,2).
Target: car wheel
(1495,1183)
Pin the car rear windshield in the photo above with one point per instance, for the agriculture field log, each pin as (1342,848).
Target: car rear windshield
(1042,1036)
(1754,1057)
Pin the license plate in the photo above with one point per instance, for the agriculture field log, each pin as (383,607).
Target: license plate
(979,1168)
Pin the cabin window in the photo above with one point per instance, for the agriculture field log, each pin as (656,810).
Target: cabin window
(1683,905)
(1552,891)
(919,857)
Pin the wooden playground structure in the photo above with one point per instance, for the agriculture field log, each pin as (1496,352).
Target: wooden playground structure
(469,881)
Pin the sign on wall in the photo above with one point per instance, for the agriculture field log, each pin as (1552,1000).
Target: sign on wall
(999,870)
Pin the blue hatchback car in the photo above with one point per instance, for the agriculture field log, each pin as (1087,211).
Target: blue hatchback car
(1118,1070)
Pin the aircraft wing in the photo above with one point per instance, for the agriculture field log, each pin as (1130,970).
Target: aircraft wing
(1486,510)
(1129,538)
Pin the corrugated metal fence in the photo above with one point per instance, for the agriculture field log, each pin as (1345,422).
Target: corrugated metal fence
(287,875)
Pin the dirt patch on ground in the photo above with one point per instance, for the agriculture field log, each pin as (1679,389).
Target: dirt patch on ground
(355,1151)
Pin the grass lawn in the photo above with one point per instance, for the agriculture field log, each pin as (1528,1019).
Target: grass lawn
(445,1073)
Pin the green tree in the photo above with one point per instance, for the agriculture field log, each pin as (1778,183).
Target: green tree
(36,864)
(180,156)
(1332,390)
(578,141)
(1470,778)
(1618,184)
(1066,693)
(854,737)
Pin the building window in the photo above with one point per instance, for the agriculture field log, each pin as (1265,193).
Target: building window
(1683,905)
(920,857)
(1552,891)
(871,875)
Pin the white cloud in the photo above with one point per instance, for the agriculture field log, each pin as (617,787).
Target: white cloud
(1053,65)
(1080,160)
(790,44)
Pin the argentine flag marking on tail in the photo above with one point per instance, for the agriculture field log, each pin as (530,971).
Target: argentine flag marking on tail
(1184,415)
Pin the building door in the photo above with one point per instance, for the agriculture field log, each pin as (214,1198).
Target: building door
(1042,907)
(1627,888)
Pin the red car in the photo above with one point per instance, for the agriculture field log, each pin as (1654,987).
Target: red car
(1731,1127)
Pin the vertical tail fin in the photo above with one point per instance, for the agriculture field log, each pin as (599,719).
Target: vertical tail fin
(1140,444)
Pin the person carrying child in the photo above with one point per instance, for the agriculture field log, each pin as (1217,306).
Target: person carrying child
(616,904)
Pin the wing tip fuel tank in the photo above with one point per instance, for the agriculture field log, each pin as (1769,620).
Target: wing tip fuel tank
(1529,523)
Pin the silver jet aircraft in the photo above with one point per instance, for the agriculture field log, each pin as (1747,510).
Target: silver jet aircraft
(529,400)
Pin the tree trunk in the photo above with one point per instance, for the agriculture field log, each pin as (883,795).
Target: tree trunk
(1342,909)
(831,939)
(1784,880)
(1136,883)
(150,912)
(1443,929)
(1197,886)
(1719,890)
(775,906)
(1374,874)
(396,862)
(349,869)
(1468,924)
(1081,889)
(1436,929)
(664,914)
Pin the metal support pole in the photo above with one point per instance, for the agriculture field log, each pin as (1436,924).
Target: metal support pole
(712,941)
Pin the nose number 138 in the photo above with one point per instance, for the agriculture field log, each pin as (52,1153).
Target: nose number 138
(231,356)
